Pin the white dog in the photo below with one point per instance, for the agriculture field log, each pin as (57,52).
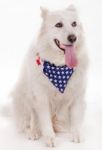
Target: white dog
(49,96)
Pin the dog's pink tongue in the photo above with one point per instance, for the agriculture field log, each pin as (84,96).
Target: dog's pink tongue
(70,57)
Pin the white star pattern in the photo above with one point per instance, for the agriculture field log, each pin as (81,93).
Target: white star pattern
(58,72)
(60,85)
(48,66)
(64,81)
(68,77)
(46,73)
(67,72)
(50,79)
(64,85)
(56,85)
(60,81)
(64,77)
(51,75)
(49,71)
(55,76)
(62,68)
(62,90)
(52,67)
(62,72)
(55,81)
(70,72)
(58,75)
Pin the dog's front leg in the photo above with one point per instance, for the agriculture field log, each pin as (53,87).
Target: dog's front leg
(76,117)
(44,117)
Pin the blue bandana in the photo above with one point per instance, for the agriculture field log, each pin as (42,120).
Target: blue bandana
(58,75)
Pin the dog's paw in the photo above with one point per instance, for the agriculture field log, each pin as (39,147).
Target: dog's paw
(75,137)
(32,135)
(50,142)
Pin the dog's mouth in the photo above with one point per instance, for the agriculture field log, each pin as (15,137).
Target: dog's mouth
(69,51)
(58,43)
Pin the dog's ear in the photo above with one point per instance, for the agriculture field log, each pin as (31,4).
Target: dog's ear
(44,12)
(72,8)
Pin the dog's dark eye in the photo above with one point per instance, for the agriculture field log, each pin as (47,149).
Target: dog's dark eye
(74,24)
(59,25)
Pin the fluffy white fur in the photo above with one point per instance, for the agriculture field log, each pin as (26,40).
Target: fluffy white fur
(39,108)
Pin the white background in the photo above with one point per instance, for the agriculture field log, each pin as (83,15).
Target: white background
(19,23)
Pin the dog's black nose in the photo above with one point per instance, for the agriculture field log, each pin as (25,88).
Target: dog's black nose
(72,38)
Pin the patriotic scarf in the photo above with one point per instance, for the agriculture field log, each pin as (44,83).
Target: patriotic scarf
(58,75)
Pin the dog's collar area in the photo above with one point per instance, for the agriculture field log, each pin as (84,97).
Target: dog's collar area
(38,59)
(58,75)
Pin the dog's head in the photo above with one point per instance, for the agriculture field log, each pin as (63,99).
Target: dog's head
(61,35)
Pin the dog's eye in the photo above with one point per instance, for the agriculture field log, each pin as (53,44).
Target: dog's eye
(59,25)
(74,24)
